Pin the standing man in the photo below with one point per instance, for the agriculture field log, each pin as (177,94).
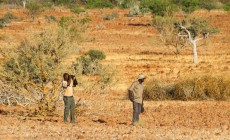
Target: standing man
(136,96)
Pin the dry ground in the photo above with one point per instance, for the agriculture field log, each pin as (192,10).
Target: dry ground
(131,47)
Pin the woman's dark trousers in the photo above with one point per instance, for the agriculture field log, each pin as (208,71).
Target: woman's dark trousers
(69,107)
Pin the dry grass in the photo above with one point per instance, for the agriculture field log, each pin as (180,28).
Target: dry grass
(154,90)
(204,87)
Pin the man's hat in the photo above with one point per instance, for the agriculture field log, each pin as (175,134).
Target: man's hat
(141,76)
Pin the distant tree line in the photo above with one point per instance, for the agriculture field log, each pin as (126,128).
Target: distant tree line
(145,5)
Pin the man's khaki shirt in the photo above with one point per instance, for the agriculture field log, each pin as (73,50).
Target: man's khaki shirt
(137,90)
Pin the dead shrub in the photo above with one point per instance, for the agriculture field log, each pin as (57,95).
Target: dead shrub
(203,88)
(154,90)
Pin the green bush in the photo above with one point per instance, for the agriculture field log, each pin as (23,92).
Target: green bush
(88,63)
(98,4)
(158,7)
(10,16)
(34,8)
(96,55)
(65,2)
(227,6)
(188,5)
(211,4)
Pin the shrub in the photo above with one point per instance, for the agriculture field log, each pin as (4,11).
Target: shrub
(98,4)
(65,2)
(111,16)
(227,6)
(202,88)
(188,5)
(85,20)
(126,4)
(51,19)
(35,65)
(34,8)
(10,16)
(88,63)
(77,10)
(196,88)
(3,22)
(134,10)
(211,4)
(96,55)
(158,7)
(154,90)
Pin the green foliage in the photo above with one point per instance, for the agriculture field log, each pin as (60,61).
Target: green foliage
(85,20)
(98,4)
(188,5)
(65,2)
(210,4)
(158,7)
(88,63)
(227,6)
(77,10)
(10,16)
(74,26)
(34,67)
(111,16)
(126,4)
(96,55)
(6,19)
(34,8)
(134,10)
(196,26)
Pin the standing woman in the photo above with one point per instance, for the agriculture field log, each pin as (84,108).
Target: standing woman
(68,84)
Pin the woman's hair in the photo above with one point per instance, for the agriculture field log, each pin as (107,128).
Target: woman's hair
(68,78)
(65,76)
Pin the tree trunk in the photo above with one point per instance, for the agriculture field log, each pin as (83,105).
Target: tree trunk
(195,56)
(24,4)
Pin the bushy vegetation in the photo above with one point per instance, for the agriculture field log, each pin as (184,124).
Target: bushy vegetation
(89,63)
(51,19)
(126,4)
(6,19)
(154,90)
(34,66)
(34,8)
(197,88)
(227,6)
(99,77)
(98,4)
(77,10)
(111,16)
(85,20)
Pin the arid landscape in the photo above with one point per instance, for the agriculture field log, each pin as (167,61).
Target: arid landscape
(132,46)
